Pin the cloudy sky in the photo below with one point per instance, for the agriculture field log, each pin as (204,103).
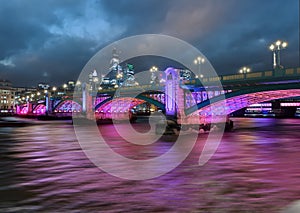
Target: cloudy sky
(51,41)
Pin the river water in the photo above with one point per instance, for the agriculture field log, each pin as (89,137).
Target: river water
(255,169)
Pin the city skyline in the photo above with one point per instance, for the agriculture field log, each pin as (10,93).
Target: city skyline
(51,41)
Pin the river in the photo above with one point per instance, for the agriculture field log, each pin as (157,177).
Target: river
(255,169)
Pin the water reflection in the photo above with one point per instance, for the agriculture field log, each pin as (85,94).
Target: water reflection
(256,169)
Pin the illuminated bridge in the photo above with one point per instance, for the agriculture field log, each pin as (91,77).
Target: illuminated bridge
(176,97)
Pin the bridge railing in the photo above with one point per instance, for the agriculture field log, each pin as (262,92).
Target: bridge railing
(253,76)
(149,87)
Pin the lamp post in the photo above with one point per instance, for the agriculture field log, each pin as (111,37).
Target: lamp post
(47,101)
(78,85)
(198,61)
(276,48)
(244,70)
(54,90)
(119,78)
(153,69)
(65,87)
(154,78)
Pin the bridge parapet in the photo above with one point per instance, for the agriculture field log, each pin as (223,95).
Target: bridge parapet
(259,76)
(131,89)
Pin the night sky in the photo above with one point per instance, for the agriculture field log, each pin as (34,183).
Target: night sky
(51,41)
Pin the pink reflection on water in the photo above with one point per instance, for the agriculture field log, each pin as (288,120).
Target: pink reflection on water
(256,169)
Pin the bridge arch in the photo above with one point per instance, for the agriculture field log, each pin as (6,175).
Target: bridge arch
(240,99)
(139,99)
(39,109)
(67,106)
(23,109)
(121,108)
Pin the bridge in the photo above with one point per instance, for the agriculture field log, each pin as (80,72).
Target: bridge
(176,98)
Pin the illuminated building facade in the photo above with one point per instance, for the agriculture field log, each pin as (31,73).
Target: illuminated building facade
(7,96)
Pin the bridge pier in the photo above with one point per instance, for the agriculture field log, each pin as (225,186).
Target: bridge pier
(175,110)
(90,107)
(30,108)
(174,104)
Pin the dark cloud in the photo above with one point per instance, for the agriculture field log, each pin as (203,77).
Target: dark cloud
(52,40)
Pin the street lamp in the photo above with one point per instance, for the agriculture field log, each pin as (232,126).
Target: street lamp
(198,61)
(162,80)
(120,75)
(119,78)
(153,69)
(244,70)
(276,48)
(154,78)
(65,87)
(54,89)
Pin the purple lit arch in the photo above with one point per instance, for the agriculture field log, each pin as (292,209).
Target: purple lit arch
(40,109)
(233,104)
(68,106)
(119,107)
